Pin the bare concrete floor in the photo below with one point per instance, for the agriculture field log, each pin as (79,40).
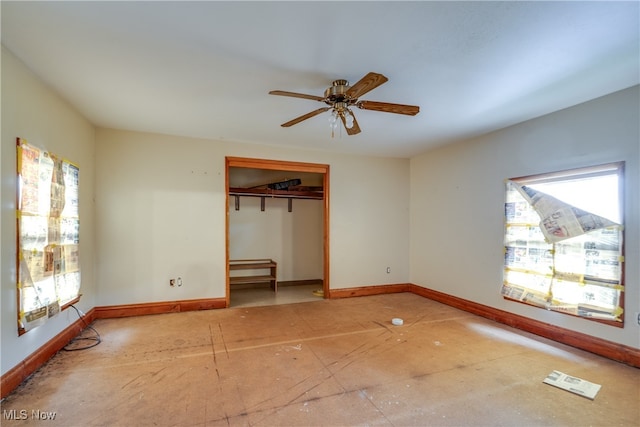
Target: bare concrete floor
(251,297)
(327,362)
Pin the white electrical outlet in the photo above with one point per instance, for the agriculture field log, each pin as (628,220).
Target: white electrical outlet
(388,270)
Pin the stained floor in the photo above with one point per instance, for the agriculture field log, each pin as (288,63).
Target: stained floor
(322,363)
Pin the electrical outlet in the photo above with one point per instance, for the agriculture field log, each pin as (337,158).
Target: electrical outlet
(388,270)
(179,281)
(638,315)
(172,282)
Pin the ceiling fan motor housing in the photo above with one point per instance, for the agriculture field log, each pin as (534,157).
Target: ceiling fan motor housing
(337,92)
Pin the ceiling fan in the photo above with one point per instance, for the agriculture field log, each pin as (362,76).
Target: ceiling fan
(340,97)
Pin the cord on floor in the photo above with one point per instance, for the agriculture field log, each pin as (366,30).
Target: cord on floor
(97,340)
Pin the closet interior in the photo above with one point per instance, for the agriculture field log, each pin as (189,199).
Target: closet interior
(275,236)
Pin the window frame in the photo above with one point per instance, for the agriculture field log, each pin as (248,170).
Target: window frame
(572,174)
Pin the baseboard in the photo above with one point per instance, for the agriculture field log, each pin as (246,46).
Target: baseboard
(369,290)
(16,375)
(599,346)
(317,282)
(142,309)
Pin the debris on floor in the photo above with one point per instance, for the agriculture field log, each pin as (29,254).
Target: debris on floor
(573,384)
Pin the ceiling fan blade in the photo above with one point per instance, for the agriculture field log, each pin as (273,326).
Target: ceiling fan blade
(365,84)
(305,117)
(296,95)
(355,129)
(385,107)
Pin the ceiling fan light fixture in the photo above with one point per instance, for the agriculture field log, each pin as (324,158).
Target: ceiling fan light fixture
(348,119)
(333,118)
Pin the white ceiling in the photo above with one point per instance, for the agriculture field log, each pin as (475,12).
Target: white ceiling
(204,69)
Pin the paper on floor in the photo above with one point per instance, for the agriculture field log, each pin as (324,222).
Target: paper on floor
(572,384)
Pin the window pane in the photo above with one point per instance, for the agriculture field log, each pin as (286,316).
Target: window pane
(598,195)
(48,235)
(579,272)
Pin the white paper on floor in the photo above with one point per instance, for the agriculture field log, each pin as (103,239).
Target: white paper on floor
(573,384)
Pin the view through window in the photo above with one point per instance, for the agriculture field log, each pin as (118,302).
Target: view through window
(564,242)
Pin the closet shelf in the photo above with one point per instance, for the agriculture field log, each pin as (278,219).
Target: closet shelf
(283,194)
(254,264)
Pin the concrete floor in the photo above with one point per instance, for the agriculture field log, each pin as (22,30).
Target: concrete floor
(325,362)
(263,295)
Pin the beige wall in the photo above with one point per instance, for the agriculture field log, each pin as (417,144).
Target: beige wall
(457,199)
(32,111)
(161,214)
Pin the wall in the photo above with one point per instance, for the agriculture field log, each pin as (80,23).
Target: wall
(457,198)
(32,111)
(161,214)
(293,239)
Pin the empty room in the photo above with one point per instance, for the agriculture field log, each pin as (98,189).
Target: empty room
(320,213)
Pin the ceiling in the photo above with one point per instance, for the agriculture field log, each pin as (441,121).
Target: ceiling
(204,69)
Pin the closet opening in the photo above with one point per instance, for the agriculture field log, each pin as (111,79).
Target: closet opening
(277,231)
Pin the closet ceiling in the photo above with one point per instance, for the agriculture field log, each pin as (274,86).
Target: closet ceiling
(204,69)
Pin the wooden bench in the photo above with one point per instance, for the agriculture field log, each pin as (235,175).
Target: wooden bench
(254,264)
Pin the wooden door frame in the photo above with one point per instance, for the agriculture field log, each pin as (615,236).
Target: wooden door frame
(280,165)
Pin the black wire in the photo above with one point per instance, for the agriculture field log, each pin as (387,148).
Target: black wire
(97,338)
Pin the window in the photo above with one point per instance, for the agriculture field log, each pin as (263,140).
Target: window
(564,242)
(48,229)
